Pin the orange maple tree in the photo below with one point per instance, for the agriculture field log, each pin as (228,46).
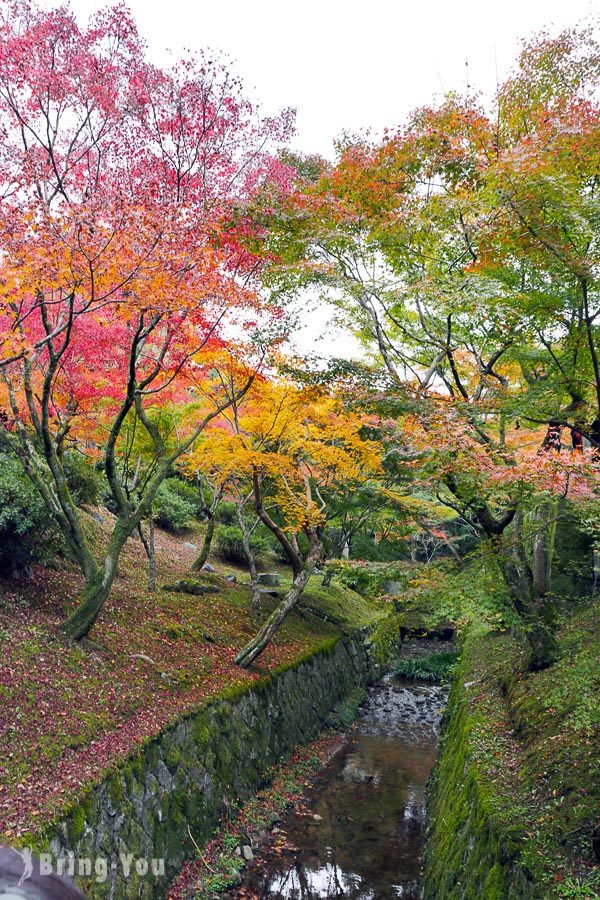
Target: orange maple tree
(292,450)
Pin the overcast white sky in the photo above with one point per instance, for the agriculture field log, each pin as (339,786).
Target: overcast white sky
(349,66)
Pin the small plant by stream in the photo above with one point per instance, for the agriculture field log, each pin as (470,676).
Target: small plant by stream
(218,865)
(437,667)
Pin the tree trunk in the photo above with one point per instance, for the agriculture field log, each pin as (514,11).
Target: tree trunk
(211,515)
(258,644)
(543,547)
(250,558)
(327,577)
(540,564)
(541,638)
(149,547)
(589,328)
(536,612)
(202,557)
(98,584)
(289,544)
(152,559)
(90,602)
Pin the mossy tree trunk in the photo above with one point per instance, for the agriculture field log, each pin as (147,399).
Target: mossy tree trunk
(534,606)
(243,526)
(544,521)
(89,604)
(210,511)
(262,640)
(98,583)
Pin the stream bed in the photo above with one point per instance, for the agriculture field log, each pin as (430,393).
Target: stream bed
(361,832)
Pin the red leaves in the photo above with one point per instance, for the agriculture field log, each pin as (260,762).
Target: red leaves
(119,181)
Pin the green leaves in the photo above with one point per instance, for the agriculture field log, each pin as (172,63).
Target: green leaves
(21,507)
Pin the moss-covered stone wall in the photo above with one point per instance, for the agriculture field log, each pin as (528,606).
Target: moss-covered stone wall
(469,853)
(170,796)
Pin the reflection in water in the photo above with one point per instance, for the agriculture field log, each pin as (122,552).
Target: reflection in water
(371,800)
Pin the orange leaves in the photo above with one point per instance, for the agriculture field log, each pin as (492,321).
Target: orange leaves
(122,274)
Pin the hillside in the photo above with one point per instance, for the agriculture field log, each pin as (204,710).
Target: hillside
(70,712)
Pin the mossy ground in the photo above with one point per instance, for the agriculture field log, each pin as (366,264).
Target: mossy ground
(339,606)
(517,785)
(70,713)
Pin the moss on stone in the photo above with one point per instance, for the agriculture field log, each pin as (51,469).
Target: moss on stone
(188,776)
(172,757)
(200,732)
(134,766)
(515,790)
(152,754)
(76,823)
(115,788)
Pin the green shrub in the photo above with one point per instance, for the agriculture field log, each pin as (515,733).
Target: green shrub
(230,545)
(172,509)
(185,491)
(364,546)
(84,480)
(368,577)
(226,513)
(27,532)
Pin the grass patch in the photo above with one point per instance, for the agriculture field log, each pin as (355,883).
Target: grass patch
(344,714)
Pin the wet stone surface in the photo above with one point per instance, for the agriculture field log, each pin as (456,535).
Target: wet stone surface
(361,834)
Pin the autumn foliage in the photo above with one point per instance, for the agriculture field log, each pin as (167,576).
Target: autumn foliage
(117,179)
(153,229)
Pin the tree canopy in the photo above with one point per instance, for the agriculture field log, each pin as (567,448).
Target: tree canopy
(154,227)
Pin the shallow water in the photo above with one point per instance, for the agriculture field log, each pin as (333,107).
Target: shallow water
(371,800)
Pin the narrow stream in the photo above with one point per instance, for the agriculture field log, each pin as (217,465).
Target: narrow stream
(363,831)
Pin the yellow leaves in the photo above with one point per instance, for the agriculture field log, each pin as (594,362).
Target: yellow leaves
(302,441)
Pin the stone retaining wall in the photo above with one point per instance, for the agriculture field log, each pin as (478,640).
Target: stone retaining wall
(180,784)
(469,853)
